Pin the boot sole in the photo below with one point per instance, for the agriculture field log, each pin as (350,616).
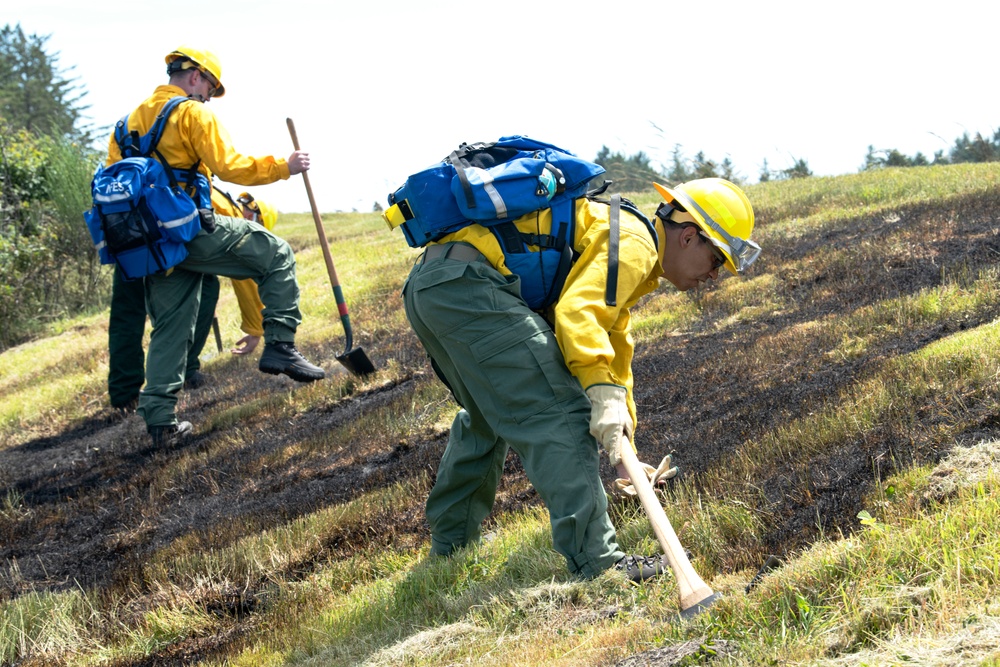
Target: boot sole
(298,376)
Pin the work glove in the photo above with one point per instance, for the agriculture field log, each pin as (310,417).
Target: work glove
(610,421)
(207,216)
(656,475)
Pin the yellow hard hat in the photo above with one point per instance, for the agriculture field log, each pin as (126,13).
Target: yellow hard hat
(185,57)
(723,212)
(268,214)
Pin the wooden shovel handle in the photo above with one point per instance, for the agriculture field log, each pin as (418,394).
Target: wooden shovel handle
(327,257)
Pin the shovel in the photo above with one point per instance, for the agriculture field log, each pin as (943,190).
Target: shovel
(353,359)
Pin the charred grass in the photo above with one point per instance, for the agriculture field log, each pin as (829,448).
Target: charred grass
(859,355)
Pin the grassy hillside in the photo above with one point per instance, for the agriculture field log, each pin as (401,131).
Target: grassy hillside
(838,407)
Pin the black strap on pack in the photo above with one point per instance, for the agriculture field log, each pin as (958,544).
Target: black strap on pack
(617,204)
(614,237)
(229,198)
(482,155)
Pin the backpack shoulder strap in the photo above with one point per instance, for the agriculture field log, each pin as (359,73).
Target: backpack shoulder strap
(132,144)
(634,210)
(617,204)
(128,142)
(229,198)
(153,139)
(614,237)
(156,131)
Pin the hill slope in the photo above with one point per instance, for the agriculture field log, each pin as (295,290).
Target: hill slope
(859,353)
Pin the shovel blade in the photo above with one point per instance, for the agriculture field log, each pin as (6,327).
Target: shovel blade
(357,362)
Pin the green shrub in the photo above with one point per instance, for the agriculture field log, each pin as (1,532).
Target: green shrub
(48,267)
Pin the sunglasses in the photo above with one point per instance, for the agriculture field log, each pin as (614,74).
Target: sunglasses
(720,259)
(186,63)
(212,81)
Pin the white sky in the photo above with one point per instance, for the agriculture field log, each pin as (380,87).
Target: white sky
(382,88)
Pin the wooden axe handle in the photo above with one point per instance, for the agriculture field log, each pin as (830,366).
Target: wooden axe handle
(690,586)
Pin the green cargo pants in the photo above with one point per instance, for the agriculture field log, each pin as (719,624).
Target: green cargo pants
(203,322)
(236,249)
(503,365)
(127,323)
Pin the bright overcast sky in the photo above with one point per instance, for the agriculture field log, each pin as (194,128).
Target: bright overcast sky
(381,88)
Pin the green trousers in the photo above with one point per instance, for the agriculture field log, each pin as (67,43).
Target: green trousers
(236,249)
(126,325)
(503,365)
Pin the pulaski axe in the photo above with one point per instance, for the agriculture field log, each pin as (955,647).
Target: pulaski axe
(695,594)
(353,359)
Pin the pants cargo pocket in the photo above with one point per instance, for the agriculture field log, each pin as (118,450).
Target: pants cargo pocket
(256,250)
(526,369)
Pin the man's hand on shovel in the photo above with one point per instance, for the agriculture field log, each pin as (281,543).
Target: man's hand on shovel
(658,476)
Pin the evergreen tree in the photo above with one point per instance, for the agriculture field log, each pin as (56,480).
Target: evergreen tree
(728,171)
(765,172)
(703,167)
(799,169)
(679,171)
(632,173)
(877,159)
(34,94)
(976,149)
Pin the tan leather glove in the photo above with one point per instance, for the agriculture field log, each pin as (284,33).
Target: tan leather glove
(610,421)
(656,475)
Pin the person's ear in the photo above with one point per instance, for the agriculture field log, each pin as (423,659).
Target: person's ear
(689,234)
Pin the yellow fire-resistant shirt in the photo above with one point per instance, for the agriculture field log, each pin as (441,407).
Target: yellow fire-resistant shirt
(193,133)
(595,339)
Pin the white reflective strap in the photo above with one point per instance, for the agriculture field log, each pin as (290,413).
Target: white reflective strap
(487,180)
(112,198)
(179,222)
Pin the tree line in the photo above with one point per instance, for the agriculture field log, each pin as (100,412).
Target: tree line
(48,267)
(633,173)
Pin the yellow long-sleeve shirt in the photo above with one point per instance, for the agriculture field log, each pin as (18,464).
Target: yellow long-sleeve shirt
(193,133)
(595,339)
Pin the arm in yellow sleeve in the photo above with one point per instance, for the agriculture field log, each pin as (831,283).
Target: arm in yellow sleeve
(213,146)
(595,338)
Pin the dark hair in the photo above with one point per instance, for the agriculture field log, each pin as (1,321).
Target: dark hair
(180,64)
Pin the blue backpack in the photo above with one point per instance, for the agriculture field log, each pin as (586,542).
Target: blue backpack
(493,184)
(140,217)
